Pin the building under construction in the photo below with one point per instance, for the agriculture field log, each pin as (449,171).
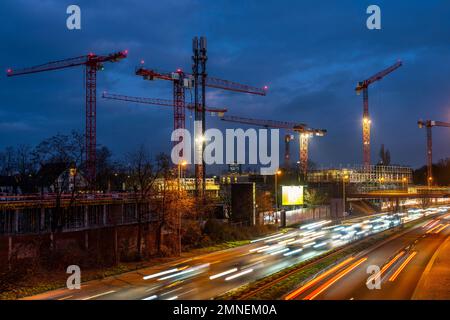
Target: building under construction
(362,179)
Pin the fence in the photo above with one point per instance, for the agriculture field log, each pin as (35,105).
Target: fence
(74,218)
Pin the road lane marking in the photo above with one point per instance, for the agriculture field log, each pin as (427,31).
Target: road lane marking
(335,279)
(402,266)
(99,295)
(297,292)
(65,298)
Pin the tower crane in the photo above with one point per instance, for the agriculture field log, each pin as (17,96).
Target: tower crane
(93,63)
(159,102)
(302,129)
(364,87)
(429,124)
(182,81)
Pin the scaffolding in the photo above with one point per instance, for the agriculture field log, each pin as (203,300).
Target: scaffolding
(374,177)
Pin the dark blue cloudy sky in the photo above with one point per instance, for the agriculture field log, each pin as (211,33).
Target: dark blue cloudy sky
(310,53)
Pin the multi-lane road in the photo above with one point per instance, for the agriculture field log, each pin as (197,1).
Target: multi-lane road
(390,271)
(207,276)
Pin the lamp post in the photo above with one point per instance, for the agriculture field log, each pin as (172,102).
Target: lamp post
(345,177)
(181,165)
(277,173)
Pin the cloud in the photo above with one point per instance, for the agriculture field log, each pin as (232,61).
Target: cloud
(310,55)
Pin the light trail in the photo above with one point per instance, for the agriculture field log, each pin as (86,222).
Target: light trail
(292,252)
(265,238)
(335,279)
(189,270)
(441,228)
(297,292)
(402,266)
(279,251)
(386,266)
(222,274)
(259,248)
(160,274)
(237,275)
(434,228)
(99,295)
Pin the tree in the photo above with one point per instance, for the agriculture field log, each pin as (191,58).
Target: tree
(7,160)
(264,202)
(174,203)
(56,155)
(315,197)
(143,172)
(105,169)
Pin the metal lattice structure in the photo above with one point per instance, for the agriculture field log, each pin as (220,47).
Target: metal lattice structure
(198,79)
(92,63)
(305,133)
(429,124)
(364,87)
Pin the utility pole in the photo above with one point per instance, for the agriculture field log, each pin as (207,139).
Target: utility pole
(277,173)
(345,176)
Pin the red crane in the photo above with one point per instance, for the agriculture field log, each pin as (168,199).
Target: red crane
(364,87)
(181,81)
(93,63)
(429,124)
(303,130)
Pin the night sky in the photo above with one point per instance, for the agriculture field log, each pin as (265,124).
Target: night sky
(311,55)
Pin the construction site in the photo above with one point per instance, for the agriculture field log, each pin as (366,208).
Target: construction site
(164,196)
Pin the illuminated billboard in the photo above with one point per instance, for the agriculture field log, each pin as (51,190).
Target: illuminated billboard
(292,195)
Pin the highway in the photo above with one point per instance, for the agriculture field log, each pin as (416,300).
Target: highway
(401,262)
(207,276)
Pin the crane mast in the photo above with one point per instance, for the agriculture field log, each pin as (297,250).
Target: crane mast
(367,122)
(199,79)
(305,133)
(92,63)
(429,124)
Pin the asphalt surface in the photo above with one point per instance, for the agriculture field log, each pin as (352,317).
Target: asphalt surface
(401,261)
(207,276)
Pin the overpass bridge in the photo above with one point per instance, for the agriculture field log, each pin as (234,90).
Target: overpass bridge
(398,195)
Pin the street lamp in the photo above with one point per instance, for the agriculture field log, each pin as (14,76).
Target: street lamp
(404,181)
(430,181)
(345,177)
(277,173)
(181,165)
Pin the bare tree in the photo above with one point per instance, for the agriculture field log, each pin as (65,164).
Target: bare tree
(56,157)
(143,172)
(174,204)
(7,161)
